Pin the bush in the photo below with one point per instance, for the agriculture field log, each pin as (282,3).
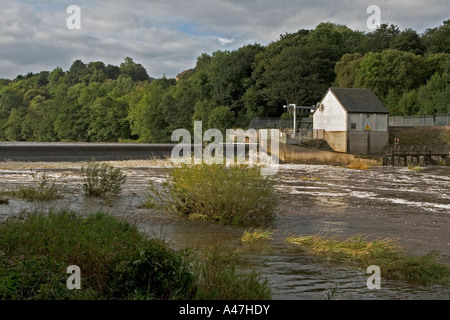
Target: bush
(102,179)
(236,195)
(153,272)
(116,260)
(219,278)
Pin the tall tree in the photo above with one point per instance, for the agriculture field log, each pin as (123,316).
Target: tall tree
(380,39)
(409,41)
(391,69)
(134,70)
(76,72)
(438,39)
(346,69)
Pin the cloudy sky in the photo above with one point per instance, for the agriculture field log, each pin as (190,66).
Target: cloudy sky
(166,36)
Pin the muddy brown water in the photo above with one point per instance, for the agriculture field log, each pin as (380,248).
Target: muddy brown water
(409,207)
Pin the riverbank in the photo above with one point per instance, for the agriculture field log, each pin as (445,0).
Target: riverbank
(115,261)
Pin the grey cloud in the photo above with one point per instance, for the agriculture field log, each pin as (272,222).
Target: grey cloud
(34,37)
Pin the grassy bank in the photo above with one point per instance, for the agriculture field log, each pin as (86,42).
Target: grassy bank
(116,261)
(394,262)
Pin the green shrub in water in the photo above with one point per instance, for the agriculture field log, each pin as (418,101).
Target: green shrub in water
(237,195)
(102,179)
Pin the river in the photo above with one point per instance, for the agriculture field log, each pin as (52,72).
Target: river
(410,207)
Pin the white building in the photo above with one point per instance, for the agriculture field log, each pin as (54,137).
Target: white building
(352,121)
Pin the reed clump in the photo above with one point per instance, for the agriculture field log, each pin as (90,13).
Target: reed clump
(44,188)
(255,235)
(360,164)
(394,262)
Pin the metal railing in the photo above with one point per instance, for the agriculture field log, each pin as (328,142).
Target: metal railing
(437,120)
(277,123)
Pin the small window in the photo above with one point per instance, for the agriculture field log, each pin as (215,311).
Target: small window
(353,126)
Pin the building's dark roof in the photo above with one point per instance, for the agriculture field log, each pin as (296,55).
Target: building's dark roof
(359,100)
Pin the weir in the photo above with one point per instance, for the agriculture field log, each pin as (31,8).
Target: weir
(81,152)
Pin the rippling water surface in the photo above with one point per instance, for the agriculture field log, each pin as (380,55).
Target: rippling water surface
(412,208)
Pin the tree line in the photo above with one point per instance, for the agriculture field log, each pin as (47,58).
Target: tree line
(94,102)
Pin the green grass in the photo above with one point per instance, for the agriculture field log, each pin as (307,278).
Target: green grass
(415,168)
(256,235)
(236,195)
(117,261)
(394,262)
(44,188)
(220,279)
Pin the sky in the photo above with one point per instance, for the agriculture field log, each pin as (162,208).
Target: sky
(167,36)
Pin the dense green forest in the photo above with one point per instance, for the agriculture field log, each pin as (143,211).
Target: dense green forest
(94,102)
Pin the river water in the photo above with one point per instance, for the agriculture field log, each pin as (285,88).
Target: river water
(412,208)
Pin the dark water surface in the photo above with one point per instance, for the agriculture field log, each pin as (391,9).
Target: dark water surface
(411,208)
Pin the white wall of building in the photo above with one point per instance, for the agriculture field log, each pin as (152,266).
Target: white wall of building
(333,117)
(378,122)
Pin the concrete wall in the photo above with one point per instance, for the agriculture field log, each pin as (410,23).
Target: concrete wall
(337,140)
(297,154)
(368,142)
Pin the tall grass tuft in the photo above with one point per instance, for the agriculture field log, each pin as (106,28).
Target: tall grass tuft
(236,195)
(394,262)
(256,235)
(360,164)
(102,179)
(44,189)
(220,279)
(415,168)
